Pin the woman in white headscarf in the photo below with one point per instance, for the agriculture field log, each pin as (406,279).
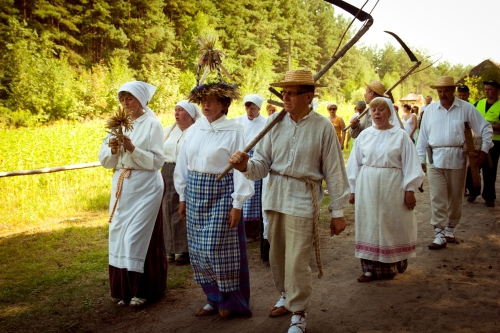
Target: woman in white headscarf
(174,229)
(383,171)
(137,261)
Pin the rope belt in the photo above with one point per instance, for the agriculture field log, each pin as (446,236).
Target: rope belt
(125,174)
(313,186)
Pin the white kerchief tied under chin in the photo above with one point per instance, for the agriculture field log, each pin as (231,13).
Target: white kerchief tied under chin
(393,119)
(142,91)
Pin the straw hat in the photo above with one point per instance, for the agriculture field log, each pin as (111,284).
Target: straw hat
(299,77)
(444,81)
(377,87)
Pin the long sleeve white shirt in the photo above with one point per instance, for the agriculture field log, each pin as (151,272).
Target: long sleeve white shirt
(309,149)
(207,148)
(147,137)
(172,145)
(390,148)
(443,130)
(251,127)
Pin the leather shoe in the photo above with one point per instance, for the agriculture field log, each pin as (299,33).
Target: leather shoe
(224,313)
(278,311)
(490,203)
(471,198)
(202,312)
(450,239)
(434,246)
(365,278)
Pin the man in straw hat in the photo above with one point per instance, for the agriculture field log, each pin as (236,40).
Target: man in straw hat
(442,137)
(373,89)
(298,153)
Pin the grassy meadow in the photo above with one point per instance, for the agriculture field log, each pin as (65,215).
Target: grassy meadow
(53,230)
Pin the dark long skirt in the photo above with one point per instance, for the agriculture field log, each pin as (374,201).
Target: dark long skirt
(174,228)
(151,284)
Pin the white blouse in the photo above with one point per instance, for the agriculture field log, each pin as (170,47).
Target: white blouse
(390,148)
(252,127)
(172,145)
(207,148)
(147,137)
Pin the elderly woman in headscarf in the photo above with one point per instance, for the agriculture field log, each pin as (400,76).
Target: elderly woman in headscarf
(212,210)
(174,229)
(253,122)
(384,171)
(137,261)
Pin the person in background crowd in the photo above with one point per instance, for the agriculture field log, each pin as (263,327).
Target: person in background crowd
(174,228)
(337,122)
(383,172)
(441,138)
(409,122)
(137,260)
(489,108)
(253,123)
(463,93)
(428,101)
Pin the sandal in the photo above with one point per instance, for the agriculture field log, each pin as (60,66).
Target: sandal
(122,303)
(224,313)
(365,278)
(136,301)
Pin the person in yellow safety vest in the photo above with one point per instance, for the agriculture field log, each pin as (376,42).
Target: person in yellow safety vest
(489,107)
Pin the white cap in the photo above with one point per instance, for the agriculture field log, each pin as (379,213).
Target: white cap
(255,99)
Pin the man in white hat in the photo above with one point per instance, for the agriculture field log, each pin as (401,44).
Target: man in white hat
(442,138)
(298,153)
(373,89)
(253,122)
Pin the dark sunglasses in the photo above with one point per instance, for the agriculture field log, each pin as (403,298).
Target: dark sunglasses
(332,109)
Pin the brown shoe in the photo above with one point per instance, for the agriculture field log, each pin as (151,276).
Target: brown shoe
(490,203)
(434,246)
(471,198)
(278,311)
(365,278)
(224,313)
(202,312)
(451,239)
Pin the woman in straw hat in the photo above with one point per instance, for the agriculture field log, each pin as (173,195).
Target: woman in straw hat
(137,262)
(174,229)
(383,171)
(212,210)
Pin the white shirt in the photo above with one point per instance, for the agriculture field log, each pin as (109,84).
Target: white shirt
(443,130)
(207,148)
(252,127)
(147,137)
(172,145)
(390,148)
(308,148)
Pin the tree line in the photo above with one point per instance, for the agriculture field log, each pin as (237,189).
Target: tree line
(66,59)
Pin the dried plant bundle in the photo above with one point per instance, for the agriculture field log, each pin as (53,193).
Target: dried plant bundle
(220,90)
(210,57)
(117,122)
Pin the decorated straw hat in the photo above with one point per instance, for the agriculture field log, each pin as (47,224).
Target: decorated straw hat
(444,81)
(377,87)
(298,77)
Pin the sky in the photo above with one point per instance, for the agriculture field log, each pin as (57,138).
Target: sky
(457,29)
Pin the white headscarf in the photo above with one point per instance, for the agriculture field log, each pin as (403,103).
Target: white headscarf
(142,91)
(191,108)
(255,99)
(314,104)
(393,119)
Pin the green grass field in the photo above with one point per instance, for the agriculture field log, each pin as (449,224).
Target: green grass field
(53,230)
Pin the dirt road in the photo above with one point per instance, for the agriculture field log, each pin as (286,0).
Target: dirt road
(456,289)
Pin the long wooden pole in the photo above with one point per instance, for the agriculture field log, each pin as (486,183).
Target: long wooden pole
(50,170)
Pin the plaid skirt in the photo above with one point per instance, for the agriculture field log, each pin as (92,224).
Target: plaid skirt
(214,249)
(252,209)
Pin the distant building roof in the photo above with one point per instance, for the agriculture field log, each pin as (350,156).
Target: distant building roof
(412,97)
(480,69)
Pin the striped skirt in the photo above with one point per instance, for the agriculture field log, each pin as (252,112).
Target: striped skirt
(218,254)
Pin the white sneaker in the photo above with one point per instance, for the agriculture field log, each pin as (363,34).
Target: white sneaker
(298,324)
